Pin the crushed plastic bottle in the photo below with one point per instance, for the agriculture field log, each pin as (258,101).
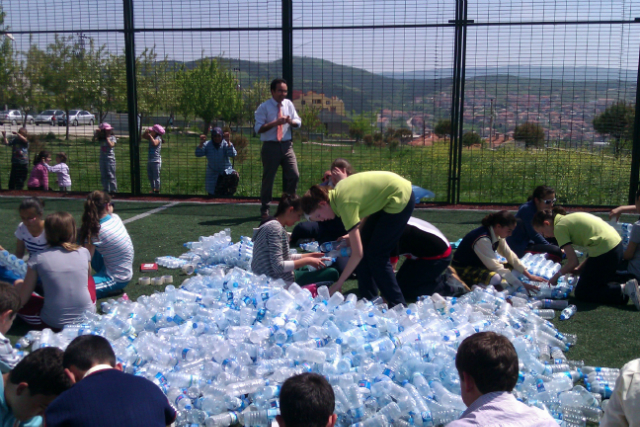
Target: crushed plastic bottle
(221,345)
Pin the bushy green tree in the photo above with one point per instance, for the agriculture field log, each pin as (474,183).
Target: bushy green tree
(111,93)
(443,128)
(310,117)
(470,139)
(67,80)
(259,92)
(530,133)
(617,122)
(209,92)
(8,66)
(156,84)
(361,125)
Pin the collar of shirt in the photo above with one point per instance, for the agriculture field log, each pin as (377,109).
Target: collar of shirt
(484,399)
(495,240)
(97,368)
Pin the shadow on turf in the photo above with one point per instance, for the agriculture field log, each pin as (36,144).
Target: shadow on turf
(231,222)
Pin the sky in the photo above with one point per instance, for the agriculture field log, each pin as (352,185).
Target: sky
(381,50)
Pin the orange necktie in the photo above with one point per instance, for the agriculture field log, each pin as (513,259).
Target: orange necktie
(279,130)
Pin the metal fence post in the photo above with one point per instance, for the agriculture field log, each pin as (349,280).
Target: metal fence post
(455,99)
(635,151)
(132,95)
(287,44)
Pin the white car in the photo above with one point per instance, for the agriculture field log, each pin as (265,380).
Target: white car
(14,117)
(49,116)
(81,117)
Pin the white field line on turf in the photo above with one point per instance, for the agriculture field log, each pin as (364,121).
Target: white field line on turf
(151,212)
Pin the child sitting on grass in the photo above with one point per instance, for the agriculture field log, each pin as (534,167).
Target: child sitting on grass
(31,386)
(103,395)
(30,232)
(271,249)
(9,306)
(62,171)
(64,269)
(108,241)
(39,178)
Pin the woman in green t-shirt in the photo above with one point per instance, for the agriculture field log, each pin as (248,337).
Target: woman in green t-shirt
(597,281)
(377,205)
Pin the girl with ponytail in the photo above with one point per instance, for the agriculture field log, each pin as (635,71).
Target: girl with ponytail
(598,281)
(386,200)
(475,259)
(109,243)
(271,255)
(39,178)
(65,271)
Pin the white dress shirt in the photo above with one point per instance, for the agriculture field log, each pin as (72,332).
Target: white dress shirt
(267,112)
(501,409)
(623,409)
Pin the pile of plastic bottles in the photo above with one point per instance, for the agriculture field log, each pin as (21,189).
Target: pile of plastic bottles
(212,251)
(13,263)
(624,229)
(222,344)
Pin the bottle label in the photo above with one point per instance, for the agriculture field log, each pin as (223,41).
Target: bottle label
(161,382)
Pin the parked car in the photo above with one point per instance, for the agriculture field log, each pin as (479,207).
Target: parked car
(49,116)
(14,117)
(81,117)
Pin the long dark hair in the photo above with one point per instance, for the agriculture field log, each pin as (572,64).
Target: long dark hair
(287,201)
(313,197)
(547,215)
(502,218)
(94,207)
(40,156)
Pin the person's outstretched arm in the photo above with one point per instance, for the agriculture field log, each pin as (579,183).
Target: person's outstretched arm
(616,212)
(356,256)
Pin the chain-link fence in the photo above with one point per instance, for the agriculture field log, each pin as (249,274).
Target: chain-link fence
(479,101)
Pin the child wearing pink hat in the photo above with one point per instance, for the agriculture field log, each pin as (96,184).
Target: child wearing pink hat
(154,134)
(104,135)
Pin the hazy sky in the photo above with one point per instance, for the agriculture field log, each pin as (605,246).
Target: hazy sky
(390,49)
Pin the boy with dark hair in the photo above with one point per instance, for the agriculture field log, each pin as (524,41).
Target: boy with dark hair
(307,400)
(488,367)
(31,386)
(106,396)
(9,306)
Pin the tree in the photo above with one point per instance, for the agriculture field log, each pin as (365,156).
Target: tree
(310,117)
(111,93)
(361,125)
(207,91)
(259,92)
(404,135)
(8,66)
(617,122)
(530,133)
(25,90)
(470,139)
(67,79)
(156,82)
(443,128)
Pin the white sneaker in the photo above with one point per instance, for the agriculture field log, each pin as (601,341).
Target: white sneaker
(632,289)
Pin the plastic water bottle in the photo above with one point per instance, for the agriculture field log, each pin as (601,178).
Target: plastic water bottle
(568,312)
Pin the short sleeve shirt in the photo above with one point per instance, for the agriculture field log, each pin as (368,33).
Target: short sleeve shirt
(19,151)
(65,278)
(154,151)
(366,193)
(105,150)
(584,229)
(34,245)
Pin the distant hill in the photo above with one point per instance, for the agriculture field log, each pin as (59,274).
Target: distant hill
(532,72)
(362,90)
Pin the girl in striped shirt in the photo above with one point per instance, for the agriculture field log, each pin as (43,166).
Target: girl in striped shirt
(108,241)
(30,232)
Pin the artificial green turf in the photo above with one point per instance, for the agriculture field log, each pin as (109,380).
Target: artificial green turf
(606,335)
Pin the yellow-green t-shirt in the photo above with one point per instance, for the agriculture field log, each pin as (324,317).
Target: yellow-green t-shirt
(584,229)
(366,193)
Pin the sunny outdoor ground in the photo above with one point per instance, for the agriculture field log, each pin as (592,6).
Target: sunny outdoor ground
(606,335)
